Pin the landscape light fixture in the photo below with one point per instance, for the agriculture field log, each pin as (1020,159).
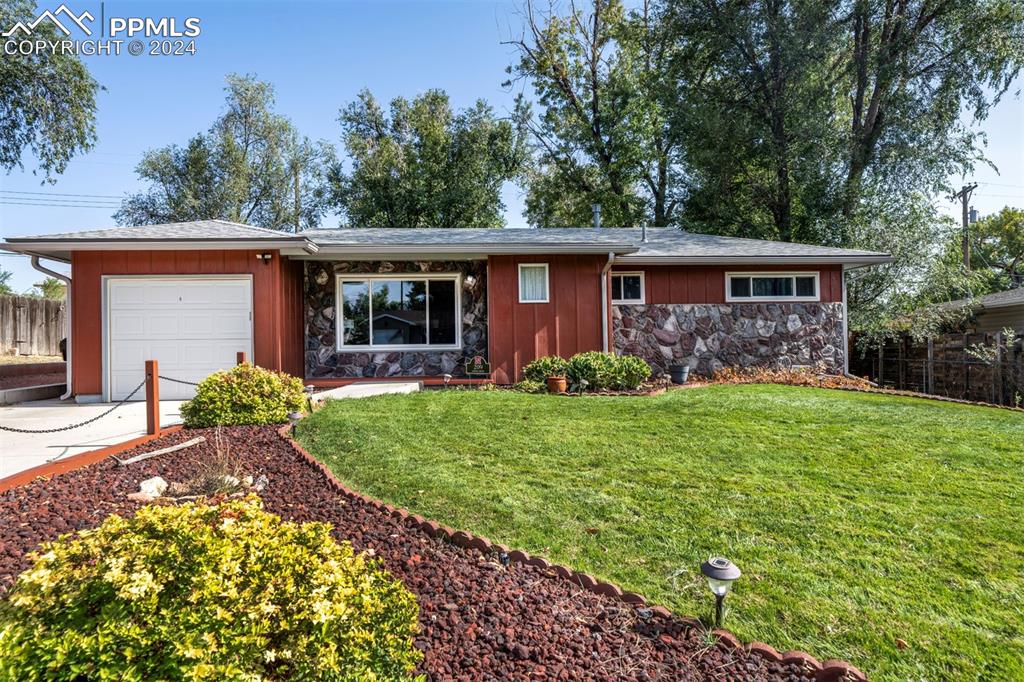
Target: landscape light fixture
(293,419)
(447,380)
(721,573)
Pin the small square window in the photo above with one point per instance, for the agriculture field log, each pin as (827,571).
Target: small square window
(627,287)
(533,283)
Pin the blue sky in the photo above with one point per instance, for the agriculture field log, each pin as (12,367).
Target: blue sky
(318,55)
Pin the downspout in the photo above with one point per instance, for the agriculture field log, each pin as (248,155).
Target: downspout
(846,328)
(67,319)
(604,301)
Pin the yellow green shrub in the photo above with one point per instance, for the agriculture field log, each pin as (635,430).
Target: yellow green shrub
(203,592)
(241,395)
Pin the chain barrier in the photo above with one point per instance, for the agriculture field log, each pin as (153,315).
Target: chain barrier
(79,424)
(178,381)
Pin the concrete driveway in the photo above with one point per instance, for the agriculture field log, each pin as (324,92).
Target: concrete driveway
(20,451)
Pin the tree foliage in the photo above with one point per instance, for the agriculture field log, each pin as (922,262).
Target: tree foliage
(998,246)
(47,100)
(244,168)
(601,76)
(51,287)
(422,164)
(828,109)
(5,278)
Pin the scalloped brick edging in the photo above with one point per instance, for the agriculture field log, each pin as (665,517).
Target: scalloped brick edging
(824,671)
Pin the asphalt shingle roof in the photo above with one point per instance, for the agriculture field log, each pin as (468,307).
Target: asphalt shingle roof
(660,243)
(202,230)
(997,299)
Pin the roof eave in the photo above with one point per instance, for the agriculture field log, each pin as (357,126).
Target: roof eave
(851,261)
(393,250)
(65,245)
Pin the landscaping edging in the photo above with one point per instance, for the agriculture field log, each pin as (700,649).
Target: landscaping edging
(831,670)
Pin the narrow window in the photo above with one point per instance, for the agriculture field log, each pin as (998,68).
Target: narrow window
(533,283)
(782,286)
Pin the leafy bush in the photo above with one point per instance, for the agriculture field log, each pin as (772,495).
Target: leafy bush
(548,366)
(530,386)
(243,395)
(597,369)
(225,592)
(629,372)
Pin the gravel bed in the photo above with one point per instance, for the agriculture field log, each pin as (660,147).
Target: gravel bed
(479,620)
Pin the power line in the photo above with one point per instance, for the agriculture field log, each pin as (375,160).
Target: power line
(61,194)
(106,202)
(1001,184)
(48,205)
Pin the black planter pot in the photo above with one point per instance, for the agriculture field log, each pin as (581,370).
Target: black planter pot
(679,373)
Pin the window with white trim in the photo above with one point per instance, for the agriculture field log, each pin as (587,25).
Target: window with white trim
(771,286)
(627,287)
(399,312)
(533,283)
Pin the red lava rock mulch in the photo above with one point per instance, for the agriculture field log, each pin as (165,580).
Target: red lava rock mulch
(479,620)
(32,380)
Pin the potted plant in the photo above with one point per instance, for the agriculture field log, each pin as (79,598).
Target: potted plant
(679,373)
(557,384)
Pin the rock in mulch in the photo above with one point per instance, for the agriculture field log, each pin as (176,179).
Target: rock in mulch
(479,621)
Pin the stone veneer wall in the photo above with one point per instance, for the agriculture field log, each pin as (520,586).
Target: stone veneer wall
(323,360)
(708,337)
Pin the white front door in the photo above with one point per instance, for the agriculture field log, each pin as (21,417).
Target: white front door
(192,326)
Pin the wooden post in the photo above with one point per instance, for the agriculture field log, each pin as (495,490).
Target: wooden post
(240,357)
(152,398)
(997,379)
(930,368)
(881,364)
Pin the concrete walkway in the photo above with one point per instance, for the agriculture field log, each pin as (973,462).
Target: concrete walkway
(367,389)
(20,451)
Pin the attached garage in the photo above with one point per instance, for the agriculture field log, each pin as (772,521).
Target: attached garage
(191,325)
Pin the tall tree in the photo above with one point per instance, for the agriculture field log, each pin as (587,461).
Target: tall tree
(600,75)
(47,99)
(825,106)
(246,168)
(424,165)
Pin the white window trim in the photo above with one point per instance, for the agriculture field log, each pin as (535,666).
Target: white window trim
(339,310)
(547,282)
(643,289)
(729,298)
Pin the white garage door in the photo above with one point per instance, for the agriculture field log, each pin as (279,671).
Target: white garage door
(191,326)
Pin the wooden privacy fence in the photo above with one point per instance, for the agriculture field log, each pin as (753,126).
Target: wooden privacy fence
(946,366)
(31,326)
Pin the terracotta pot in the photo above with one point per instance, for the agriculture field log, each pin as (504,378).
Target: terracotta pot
(557,385)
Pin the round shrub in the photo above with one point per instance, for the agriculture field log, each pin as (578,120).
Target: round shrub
(244,394)
(530,386)
(630,372)
(198,592)
(540,369)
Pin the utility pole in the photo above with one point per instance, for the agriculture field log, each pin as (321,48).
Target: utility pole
(964,195)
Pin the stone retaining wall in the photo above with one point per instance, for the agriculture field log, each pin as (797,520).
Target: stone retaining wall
(323,360)
(708,337)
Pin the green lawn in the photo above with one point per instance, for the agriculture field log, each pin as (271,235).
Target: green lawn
(858,520)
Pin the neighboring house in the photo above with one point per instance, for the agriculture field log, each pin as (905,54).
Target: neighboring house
(994,312)
(334,306)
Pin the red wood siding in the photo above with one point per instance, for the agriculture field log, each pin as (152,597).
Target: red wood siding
(88,268)
(670,284)
(293,339)
(569,323)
